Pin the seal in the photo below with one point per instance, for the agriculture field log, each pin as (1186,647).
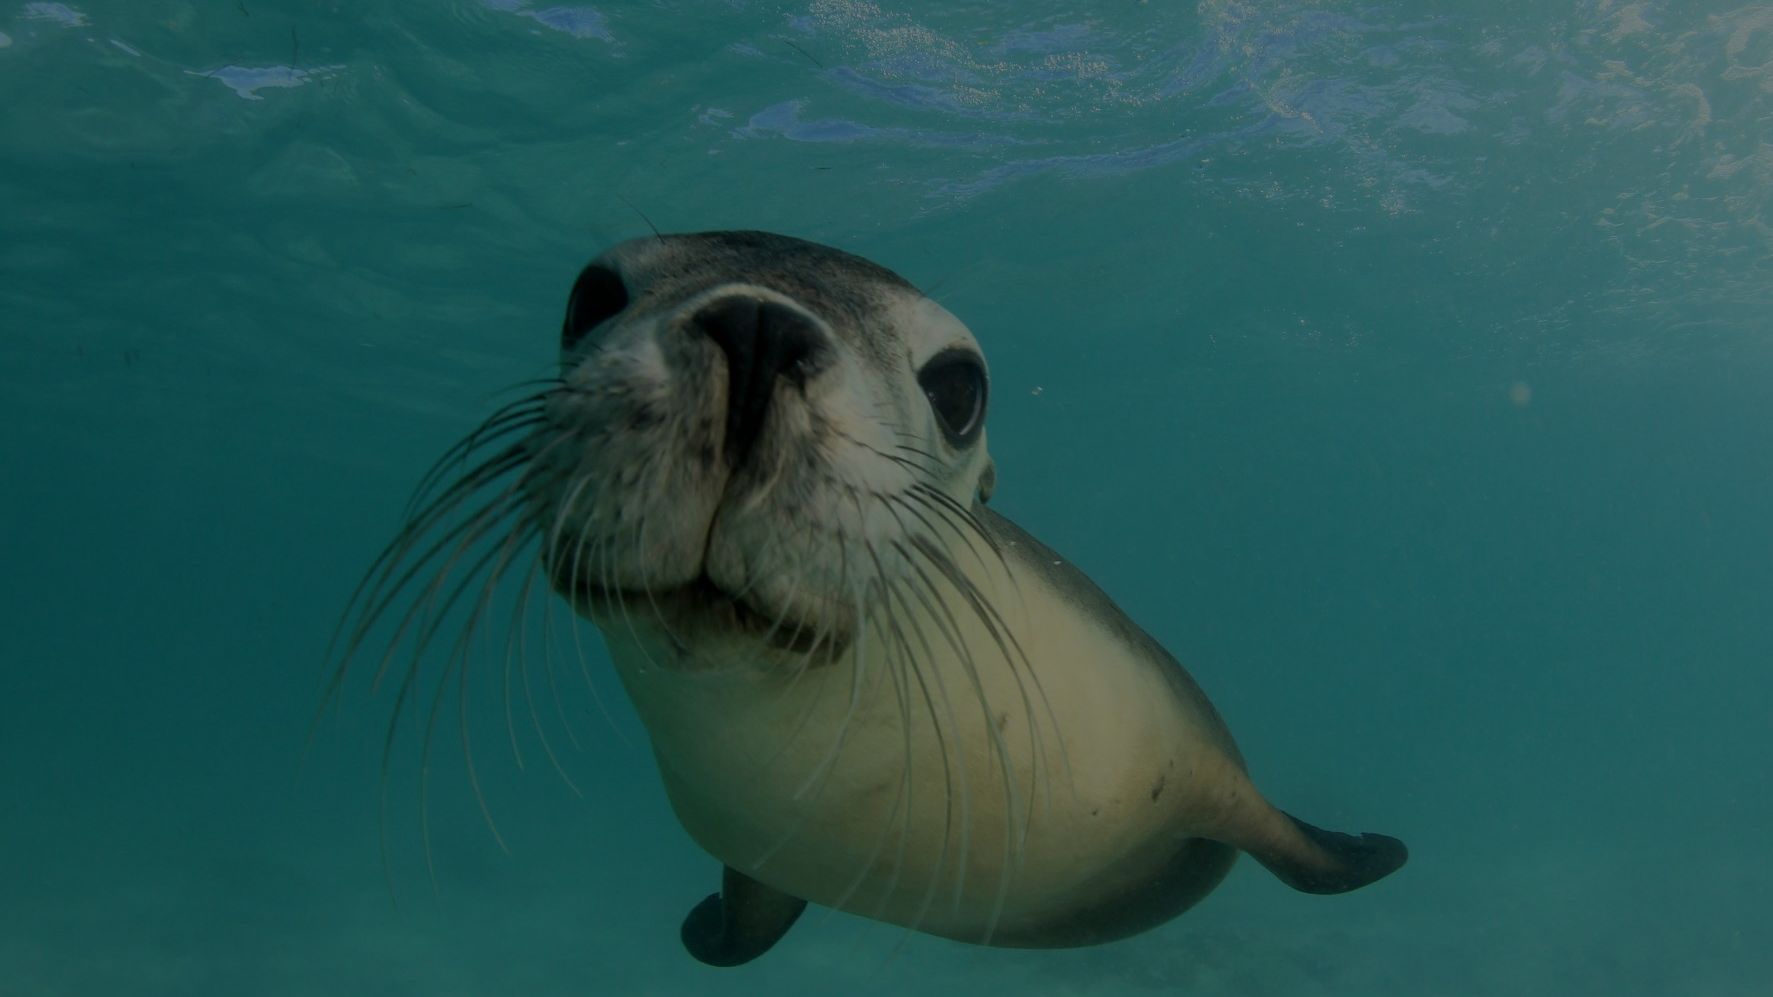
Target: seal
(762,474)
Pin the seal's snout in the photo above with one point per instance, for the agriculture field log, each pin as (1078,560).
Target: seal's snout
(765,343)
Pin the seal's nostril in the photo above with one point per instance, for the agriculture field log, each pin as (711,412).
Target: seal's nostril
(763,341)
(598,296)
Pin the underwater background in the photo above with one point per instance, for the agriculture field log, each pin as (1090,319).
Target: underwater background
(1406,369)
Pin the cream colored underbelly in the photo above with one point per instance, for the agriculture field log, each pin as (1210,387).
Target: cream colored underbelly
(929,796)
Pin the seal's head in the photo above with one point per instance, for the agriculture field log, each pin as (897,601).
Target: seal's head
(755,443)
(753,434)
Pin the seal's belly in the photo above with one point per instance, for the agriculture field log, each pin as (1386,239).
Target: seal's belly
(959,800)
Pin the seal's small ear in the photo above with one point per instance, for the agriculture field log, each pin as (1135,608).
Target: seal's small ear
(987,482)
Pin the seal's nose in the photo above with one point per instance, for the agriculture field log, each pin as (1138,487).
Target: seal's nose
(763,341)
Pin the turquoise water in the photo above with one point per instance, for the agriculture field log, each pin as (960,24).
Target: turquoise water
(1405,371)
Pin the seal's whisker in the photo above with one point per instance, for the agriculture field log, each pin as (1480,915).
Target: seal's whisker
(804,661)
(858,678)
(966,526)
(508,420)
(816,780)
(516,648)
(463,536)
(932,470)
(902,442)
(523,671)
(605,550)
(929,598)
(943,747)
(406,693)
(513,637)
(1015,839)
(517,418)
(444,505)
(852,587)
(901,805)
(428,615)
(551,552)
(566,724)
(916,467)
(368,602)
(517,651)
(447,472)
(923,589)
(915,505)
(951,629)
(535,717)
(390,582)
(933,497)
(506,552)
(551,548)
(500,557)
(902,662)
(995,625)
(1026,666)
(924,468)
(961,528)
(585,668)
(795,574)
(421,619)
(652,599)
(823,633)
(914,451)
(622,604)
(970,518)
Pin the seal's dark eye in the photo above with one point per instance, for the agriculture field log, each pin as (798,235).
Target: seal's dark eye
(955,384)
(597,296)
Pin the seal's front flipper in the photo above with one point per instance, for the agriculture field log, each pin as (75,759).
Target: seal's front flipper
(1313,860)
(739,923)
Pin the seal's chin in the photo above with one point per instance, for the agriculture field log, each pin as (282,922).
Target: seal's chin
(701,607)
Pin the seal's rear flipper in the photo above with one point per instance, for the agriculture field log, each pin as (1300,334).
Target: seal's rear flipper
(739,923)
(1320,861)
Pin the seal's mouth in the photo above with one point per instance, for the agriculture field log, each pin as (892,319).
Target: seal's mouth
(703,605)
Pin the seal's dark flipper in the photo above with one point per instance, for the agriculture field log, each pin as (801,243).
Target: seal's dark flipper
(741,922)
(1333,862)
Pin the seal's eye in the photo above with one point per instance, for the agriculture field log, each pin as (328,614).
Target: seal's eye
(598,296)
(955,384)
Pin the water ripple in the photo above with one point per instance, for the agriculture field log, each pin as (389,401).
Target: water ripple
(579,22)
(247,81)
(60,13)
